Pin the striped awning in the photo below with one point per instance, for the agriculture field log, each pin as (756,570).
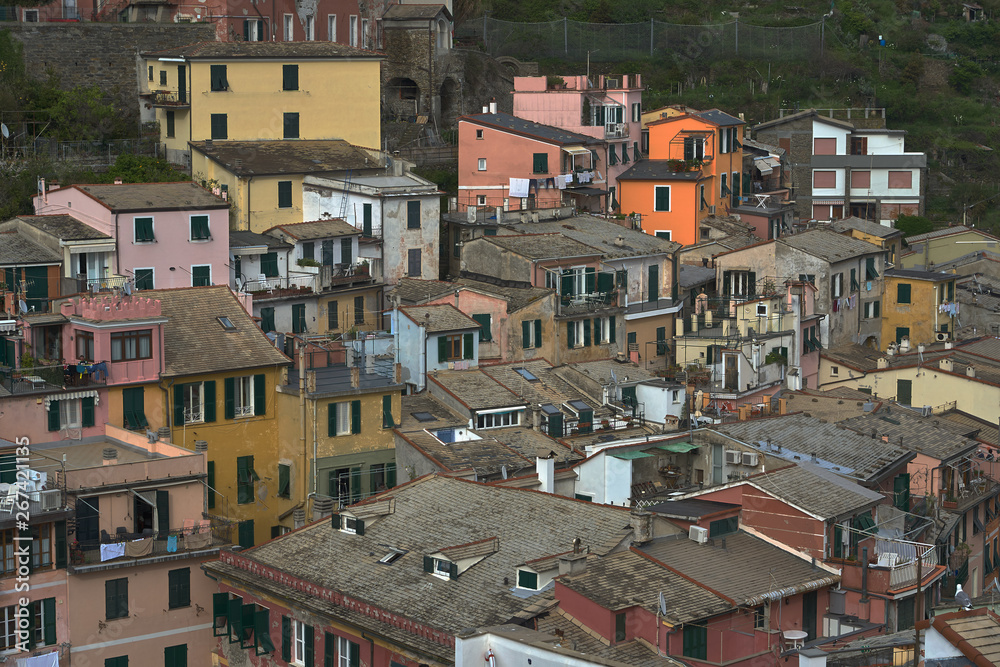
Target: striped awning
(89,393)
(832,202)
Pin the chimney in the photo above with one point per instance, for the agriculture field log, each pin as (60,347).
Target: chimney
(322,507)
(904,345)
(201,445)
(946,365)
(44,192)
(311,381)
(882,363)
(398,373)
(545,466)
(493,105)
(118,181)
(620,241)
(572,564)
(642,525)
(948,345)
(208,144)
(920,348)
(694,323)
(110,456)
(355,377)
(536,418)
(970,371)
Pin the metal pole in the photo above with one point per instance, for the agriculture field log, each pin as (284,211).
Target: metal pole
(737,36)
(650,37)
(917,615)
(566,34)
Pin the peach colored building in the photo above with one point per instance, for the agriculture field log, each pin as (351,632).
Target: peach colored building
(515,164)
(610,111)
(167,234)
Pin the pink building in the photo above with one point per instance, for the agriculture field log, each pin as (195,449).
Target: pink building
(514,164)
(167,234)
(611,112)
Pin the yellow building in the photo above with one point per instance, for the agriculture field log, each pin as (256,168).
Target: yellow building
(221,374)
(887,238)
(918,305)
(263,179)
(944,245)
(339,428)
(247,91)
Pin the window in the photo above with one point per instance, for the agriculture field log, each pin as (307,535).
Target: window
(662,347)
(343,418)
(359,310)
(837,285)
(353,30)
(310,28)
(291,125)
(762,617)
(387,420)
(449,348)
(903,293)
(871,271)
(299,318)
(133,408)
(900,180)
(332,316)
(179,588)
(871,310)
(116,598)
(150,72)
(245,478)
(220,126)
(807,278)
(284,481)
(859,145)
(413,214)
(531,334)
(253,30)
(132,345)
(170,123)
(302,645)
(269,264)
(824,146)
(663,234)
(653,283)
(413,269)
(219,78)
(193,398)
(84,345)
(144,230)
(289,77)
(723,527)
(861,180)
(485,332)
(331,27)
(175,656)
(245,396)
(482,164)
(578,334)
(835,370)
(620,627)
(695,642)
(604,330)
(349,652)
(661,198)
(498,419)
(636,112)
(245,534)
(289,34)
(163,77)
(479,134)
(824,179)
(284,194)
(724,190)
(540,163)
(366,220)
(694,148)
(119,661)
(366,42)
(201,276)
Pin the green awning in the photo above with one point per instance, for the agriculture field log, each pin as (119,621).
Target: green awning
(679,447)
(631,455)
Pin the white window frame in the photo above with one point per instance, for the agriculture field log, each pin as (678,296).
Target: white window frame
(193,266)
(869,309)
(289,27)
(331,27)
(193,395)
(517,580)
(9,620)
(669,201)
(837,285)
(253,31)
(482,164)
(605,330)
(365,38)
(446,573)
(343,425)
(724,183)
(198,215)
(578,334)
(298,643)
(350,525)
(676,396)
(636,112)
(151,269)
(490,420)
(835,371)
(353,30)
(71,413)
(310,28)
(153,218)
(480,134)
(344,652)
(739,283)
(26,12)
(243,396)
(480,200)
(669,234)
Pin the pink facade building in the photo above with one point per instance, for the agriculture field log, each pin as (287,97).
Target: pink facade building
(610,111)
(167,234)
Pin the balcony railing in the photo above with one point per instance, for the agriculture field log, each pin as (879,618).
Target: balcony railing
(170,98)
(124,547)
(579,304)
(39,502)
(616,131)
(106,284)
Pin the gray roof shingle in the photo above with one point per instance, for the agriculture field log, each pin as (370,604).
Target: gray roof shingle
(437,318)
(153,197)
(317,229)
(657,170)
(248,158)
(277,50)
(938,438)
(548,133)
(866,226)
(18,249)
(603,234)
(475,389)
(63,227)
(816,490)
(829,245)
(543,246)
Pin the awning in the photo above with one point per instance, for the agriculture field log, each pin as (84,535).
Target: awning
(89,393)
(576,150)
(627,456)
(679,447)
(766,164)
(833,202)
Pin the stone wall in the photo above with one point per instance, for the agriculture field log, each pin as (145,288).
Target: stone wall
(797,140)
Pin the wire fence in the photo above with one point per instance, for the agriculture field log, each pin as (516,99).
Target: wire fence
(612,42)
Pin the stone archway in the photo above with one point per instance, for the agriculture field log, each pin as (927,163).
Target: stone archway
(402,96)
(451,100)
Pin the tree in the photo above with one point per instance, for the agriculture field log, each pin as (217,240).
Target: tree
(142,169)
(911,225)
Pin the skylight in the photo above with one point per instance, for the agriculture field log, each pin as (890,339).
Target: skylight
(391,557)
(550,409)
(526,374)
(579,405)
(226,323)
(423,416)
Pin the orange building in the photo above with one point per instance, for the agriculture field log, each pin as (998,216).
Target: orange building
(694,170)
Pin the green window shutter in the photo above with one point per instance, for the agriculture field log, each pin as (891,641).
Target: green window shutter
(286,639)
(870,271)
(570,334)
(246,534)
(180,587)
(355,655)
(390,475)
(876,306)
(540,163)
(290,125)
(662,198)
(347,250)
(566,284)
(220,614)
(163,511)
(218,74)
(262,632)
(201,276)
(661,336)
(526,334)
(335,518)
(269,264)
(267,319)
(556,426)
(612,334)
(289,77)
(209,392)
(428,564)
(387,420)
(199,227)
(247,623)
(538,333)
(413,214)
(244,485)
(284,194)
(366,225)
(612,157)
(653,283)
(60,544)
(605,282)
(586,333)
(359,525)
(211,484)
(54,415)
(355,417)
(229,386)
(590,278)
(442,352)
(453,570)
(468,351)
(178,405)
(329,650)
(87,410)
(49,620)
(485,333)
(220,126)
(625,153)
(284,481)
(903,293)
(331,419)
(259,397)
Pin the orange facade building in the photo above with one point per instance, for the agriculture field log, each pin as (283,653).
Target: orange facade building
(694,170)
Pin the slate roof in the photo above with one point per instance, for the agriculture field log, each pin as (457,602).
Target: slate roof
(630,578)
(633,652)
(833,405)
(318,229)
(249,158)
(933,436)
(746,570)
(415,291)
(761,146)
(987,430)
(194,342)
(720,118)
(550,387)
(425,402)
(129,197)
(430,513)
(857,457)
(944,231)
(690,276)
(18,249)
(517,297)
(817,491)
(828,245)
(247,239)
(866,226)
(543,246)
(439,318)
(804,114)
(63,227)
(547,133)
(475,389)
(975,633)
(410,12)
(277,50)
(602,234)
(657,170)
(600,371)
(690,508)
(917,274)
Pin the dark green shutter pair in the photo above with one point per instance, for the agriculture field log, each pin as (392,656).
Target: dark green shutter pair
(284,194)
(284,481)
(485,332)
(442,349)
(413,214)
(220,614)
(179,588)
(289,77)
(267,319)
(526,340)
(661,341)
(259,397)
(387,420)
(903,293)
(332,417)
(298,318)
(219,78)
(220,126)
(468,346)
(269,264)
(309,658)
(208,390)
(540,163)
(244,479)
(330,652)
(175,656)
(87,415)
(199,227)
(144,230)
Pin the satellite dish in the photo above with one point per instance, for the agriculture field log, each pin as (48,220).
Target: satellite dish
(663,605)
(4,130)
(22,305)
(128,289)
(503,471)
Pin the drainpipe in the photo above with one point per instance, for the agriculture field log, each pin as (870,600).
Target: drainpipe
(302,401)
(248,203)
(315,473)
(118,256)
(371,644)
(864,574)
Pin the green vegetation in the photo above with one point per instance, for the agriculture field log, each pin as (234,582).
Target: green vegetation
(911,225)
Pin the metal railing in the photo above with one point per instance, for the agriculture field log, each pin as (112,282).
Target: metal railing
(39,502)
(579,304)
(106,284)
(124,546)
(170,98)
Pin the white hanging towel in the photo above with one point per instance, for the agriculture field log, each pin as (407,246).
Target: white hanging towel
(518,187)
(47,660)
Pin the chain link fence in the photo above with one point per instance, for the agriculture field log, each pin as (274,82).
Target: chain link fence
(608,42)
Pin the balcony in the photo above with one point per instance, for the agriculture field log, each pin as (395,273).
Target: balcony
(124,549)
(571,305)
(40,503)
(96,285)
(307,280)
(616,131)
(49,378)
(166,98)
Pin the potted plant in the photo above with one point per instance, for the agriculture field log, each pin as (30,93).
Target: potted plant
(555,82)
(949,502)
(362,269)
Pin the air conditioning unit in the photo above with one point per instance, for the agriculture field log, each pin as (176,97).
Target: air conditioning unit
(51,500)
(183,18)
(749,458)
(711,210)
(941,336)
(732,456)
(698,534)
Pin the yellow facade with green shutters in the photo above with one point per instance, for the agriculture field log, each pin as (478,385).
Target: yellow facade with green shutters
(912,307)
